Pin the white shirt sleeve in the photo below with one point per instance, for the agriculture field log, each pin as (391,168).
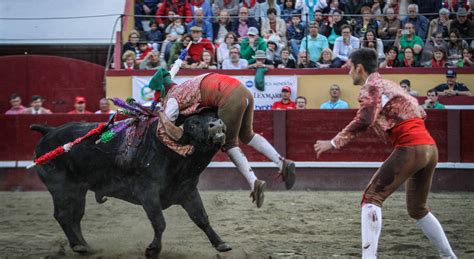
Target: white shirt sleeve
(172,109)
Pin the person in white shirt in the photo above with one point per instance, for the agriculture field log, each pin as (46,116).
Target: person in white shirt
(344,45)
(234,61)
(230,40)
(104,107)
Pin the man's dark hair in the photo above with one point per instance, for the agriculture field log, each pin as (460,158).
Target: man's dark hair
(367,58)
(405,81)
(302,97)
(432,91)
(271,11)
(36,97)
(346,26)
(14,95)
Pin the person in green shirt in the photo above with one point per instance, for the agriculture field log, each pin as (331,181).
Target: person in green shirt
(251,44)
(431,101)
(408,38)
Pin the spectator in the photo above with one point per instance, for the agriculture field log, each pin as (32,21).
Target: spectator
(389,27)
(451,87)
(371,41)
(455,46)
(104,107)
(301,103)
(328,60)
(152,61)
(250,6)
(261,60)
(431,101)
(391,60)
(344,45)
(394,5)
(198,21)
(174,32)
(129,61)
(273,49)
(332,28)
(199,44)
(428,7)
(288,10)
(230,6)
(439,58)
(154,36)
(132,43)
(285,103)
(285,61)
(419,22)
(335,102)
(221,28)
(262,6)
(308,7)
(251,44)
(274,27)
(464,25)
(230,41)
(455,5)
(144,7)
(15,102)
(36,106)
(468,60)
(80,106)
(143,50)
(366,24)
(354,7)
(296,32)
(303,61)
(206,61)
(319,18)
(376,8)
(441,24)
(334,5)
(407,38)
(409,58)
(234,61)
(178,47)
(181,7)
(242,25)
(314,43)
(204,6)
(406,84)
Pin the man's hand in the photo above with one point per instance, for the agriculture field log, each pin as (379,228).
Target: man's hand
(322,146)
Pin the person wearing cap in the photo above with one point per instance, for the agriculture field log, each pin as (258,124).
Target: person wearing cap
(406,84)
(441,24)
(314,43)
(36,106)
(241,25)
(251,44)
(234,104)
(464,25)
(451,87)
(394,116)
(335,102)
(199,44)
(80,106)
(205,26)
(285,103)
(261,60)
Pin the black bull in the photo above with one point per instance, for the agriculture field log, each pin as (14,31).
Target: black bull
(156,177)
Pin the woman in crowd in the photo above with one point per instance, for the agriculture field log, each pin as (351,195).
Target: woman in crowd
(409,60)
(438,59)
(468,58)
(332,27)
(455,47)
(132,43)
(129,60)
(328,60)
(367,23)
(230,41)
(391,60)
(441,24)
(288,10)
(222,27)
(206,61)
(371,41)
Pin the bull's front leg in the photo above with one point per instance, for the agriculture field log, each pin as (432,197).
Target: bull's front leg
(152,206)
(192,203)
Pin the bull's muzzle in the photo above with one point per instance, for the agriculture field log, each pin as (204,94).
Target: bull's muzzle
(217,131)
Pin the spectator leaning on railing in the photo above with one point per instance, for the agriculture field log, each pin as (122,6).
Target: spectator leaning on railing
(15,102)
(431,101)
(406,84)
(451,87)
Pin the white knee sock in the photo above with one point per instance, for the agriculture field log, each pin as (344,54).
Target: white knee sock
(263,146)
(240,160)
(434,231)
(371,226)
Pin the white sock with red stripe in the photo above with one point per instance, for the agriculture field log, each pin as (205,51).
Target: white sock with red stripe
(371,226)
(434,231)
(263,146)
(240,160)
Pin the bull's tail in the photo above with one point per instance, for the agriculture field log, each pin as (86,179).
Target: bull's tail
(43,129)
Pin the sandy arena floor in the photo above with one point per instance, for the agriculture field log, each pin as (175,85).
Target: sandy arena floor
(290,225)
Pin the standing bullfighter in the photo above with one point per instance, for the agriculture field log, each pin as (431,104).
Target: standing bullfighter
(235,105)
(387,108)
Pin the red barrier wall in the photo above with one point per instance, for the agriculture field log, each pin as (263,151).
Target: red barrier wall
(57,79)
(467,135)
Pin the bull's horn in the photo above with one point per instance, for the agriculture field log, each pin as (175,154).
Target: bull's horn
(171,130)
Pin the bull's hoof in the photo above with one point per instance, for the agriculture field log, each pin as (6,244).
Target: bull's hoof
(82,249)
(224,247)
(152,252)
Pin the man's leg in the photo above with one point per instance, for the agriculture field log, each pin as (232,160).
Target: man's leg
(417,189)
(393,172)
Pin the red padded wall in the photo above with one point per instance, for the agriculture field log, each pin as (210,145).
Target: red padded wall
(467,136)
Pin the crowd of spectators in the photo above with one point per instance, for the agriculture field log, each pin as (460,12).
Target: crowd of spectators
(407,33)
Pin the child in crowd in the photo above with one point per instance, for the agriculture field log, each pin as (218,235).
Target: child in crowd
(174,31)
(154,36)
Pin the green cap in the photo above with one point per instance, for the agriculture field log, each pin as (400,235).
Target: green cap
(160,79)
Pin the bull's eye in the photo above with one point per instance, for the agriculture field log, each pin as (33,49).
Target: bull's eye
(193,126)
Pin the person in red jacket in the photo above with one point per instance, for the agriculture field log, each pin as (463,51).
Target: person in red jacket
(285,103)
(181,7)
(396,116)
(80,106)
(199,44)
